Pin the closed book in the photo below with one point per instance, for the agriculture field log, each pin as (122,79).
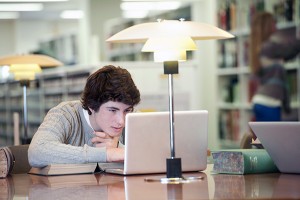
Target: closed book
(243,161)
(65,169)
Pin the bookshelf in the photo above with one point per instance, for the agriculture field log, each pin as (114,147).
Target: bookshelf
(233,73)
(63,48)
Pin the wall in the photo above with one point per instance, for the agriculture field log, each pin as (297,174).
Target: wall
(100,12)
(23,36)
(7,32)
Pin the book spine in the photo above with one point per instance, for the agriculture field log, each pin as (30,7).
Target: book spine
(258,162)
(243,161)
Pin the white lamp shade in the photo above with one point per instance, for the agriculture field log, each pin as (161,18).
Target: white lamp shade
(41,60)
(169,39)
(170,55)
(169,28)
(24,67)
(24,75)
(169,43)
(25,71)
(169,49)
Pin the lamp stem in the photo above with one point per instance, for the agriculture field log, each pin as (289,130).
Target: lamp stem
(171,116)
(24,84)
(25,111)
(173,163)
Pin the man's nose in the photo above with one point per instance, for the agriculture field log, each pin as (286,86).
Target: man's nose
(121,118)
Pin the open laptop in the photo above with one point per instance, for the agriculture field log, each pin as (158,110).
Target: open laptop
(147,142)
(282,142)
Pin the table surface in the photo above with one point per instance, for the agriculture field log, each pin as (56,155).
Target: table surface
(107,186)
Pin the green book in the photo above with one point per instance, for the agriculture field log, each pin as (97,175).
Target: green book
(243,161)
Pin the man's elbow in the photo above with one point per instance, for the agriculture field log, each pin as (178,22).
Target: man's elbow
(35,157)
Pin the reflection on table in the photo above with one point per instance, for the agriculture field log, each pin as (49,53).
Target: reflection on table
(106,186)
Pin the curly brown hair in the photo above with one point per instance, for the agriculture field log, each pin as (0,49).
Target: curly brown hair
(109,83)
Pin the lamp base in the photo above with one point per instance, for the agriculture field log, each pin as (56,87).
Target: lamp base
(25,83)
(175,180)
(174,174)
(174,168)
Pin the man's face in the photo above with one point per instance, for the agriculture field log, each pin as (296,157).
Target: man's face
(110,117)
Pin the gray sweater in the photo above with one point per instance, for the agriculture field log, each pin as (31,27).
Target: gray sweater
(273,83)
(64,137)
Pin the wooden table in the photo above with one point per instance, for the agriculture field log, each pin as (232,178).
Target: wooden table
(114,187)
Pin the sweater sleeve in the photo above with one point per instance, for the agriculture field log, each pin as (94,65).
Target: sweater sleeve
(60,139)
(275,50)
(282,45)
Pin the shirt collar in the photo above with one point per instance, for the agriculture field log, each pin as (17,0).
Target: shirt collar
(86,116)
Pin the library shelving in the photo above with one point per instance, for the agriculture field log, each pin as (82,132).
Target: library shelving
(233,74)
(62,47)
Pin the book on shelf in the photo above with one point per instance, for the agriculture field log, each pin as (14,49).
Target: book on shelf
(229,125)
(243,161)
(67,169)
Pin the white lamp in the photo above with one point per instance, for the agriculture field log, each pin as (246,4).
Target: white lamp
(169,40)
(24,68)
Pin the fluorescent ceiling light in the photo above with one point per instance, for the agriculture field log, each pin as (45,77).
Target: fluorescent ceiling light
(72,14)
(9,15)
(21,7)
(28,1)
(164,5)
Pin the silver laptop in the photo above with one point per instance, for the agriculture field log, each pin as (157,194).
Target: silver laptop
(282,142)
(147,142)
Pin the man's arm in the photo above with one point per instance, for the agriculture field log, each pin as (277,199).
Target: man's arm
(60,139)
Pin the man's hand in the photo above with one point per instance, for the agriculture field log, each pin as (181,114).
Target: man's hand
(115,155)
(102,139)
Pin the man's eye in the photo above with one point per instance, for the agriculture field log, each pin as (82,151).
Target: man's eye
(112,110)
(129,111)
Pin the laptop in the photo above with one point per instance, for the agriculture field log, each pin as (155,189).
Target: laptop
(147,142)
(282,141)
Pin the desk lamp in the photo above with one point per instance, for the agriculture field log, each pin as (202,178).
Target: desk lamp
(169,40)
(24,67)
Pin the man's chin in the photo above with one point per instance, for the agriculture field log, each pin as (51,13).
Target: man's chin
(116,133)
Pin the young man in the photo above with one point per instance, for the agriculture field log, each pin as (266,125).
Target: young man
(87,130)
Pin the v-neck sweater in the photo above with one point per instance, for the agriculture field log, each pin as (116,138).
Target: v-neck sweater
(64,137)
